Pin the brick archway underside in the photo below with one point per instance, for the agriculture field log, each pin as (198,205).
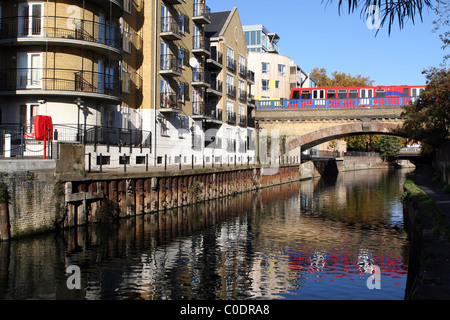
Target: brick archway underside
(314,138)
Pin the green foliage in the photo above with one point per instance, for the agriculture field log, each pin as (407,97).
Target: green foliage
(362,142)
(108,212)
(389,146)
(428,118)
(390,10)
(339,79)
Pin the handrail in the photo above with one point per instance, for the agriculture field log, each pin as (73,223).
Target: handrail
(59,79)
(61,28)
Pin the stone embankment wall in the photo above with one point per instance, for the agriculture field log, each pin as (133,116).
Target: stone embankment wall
(30,206)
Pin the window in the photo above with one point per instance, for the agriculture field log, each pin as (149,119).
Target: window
(265,85)
(331,94)
(379,93)
(265,67)
(306,94)
(181,23)
(127,40)
(277,84)
(30,19)
(366,93)
(352,93)
(126,80)
(342,94)
(109,74)
(125,118)
(182,89)
(128,6)
(29,70)
(295,94)
(281,70)
(27,114)
(318,94)
(416,92)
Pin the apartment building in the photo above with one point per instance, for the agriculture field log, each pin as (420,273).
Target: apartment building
(120,73)
(69,60)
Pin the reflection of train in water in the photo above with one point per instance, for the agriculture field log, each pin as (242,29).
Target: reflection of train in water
(328,97)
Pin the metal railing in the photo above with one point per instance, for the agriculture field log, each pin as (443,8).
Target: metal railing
(59,79)
(334,103)
(202,10)
(231,117)
(61,28)
(169,62)
(201,43)
(169,101)
(171,25)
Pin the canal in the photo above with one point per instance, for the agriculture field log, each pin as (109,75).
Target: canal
(329,238)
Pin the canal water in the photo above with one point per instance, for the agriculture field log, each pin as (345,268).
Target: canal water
(329,238)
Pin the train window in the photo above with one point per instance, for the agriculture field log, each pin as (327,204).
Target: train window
(416,92)
(295,94)
(318,94)
(366,93)
(306,94)
(405,92)
(380,93)
(353,93)
(342,94)
(331,94)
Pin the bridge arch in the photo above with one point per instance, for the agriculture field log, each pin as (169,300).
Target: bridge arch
(311,139)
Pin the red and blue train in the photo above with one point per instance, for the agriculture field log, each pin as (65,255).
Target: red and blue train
(335,97)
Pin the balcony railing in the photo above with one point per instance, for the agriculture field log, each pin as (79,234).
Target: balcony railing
(231,117)
(170,27)
(216,56)
(242,120)
(200,44)
(243,70)
(202,13)
(171,64)
(198,108)
(59,80)
(169,101)
(242,95)
(231,90)
(61,28)
(201,76)
(217,85)
(231,64)
(213,112)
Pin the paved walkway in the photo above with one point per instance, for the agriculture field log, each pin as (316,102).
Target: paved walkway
(434,278)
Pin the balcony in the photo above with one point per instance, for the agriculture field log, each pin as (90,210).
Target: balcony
(250,77)
(216,87)
(251,122)
(201,45)
(231,90)
(62,31)
(215,60)
(213,114)
(171,65)
(202,14)
(50,81)
(171,29)
(169,103)
(201,77)
(198,110)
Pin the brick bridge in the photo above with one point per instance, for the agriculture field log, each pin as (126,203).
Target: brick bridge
(306,128)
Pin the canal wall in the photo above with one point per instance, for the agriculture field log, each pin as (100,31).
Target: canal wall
(442,163)
(428,231)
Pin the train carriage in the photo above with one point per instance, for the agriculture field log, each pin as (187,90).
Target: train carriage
(332,97)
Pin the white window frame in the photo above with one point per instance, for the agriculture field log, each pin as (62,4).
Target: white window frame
(126,80)
(265,87)
(33,78)
(281,69)
(127,39)
(29,31)
(265,67)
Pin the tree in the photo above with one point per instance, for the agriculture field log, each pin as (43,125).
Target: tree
(389,146)
(390,10)
(428,118)
(339,79)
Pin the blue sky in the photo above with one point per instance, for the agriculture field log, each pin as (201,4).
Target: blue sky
(313,34)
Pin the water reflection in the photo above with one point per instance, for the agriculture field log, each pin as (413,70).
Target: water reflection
(318,239)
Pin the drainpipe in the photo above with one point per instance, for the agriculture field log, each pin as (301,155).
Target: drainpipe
(155,71)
